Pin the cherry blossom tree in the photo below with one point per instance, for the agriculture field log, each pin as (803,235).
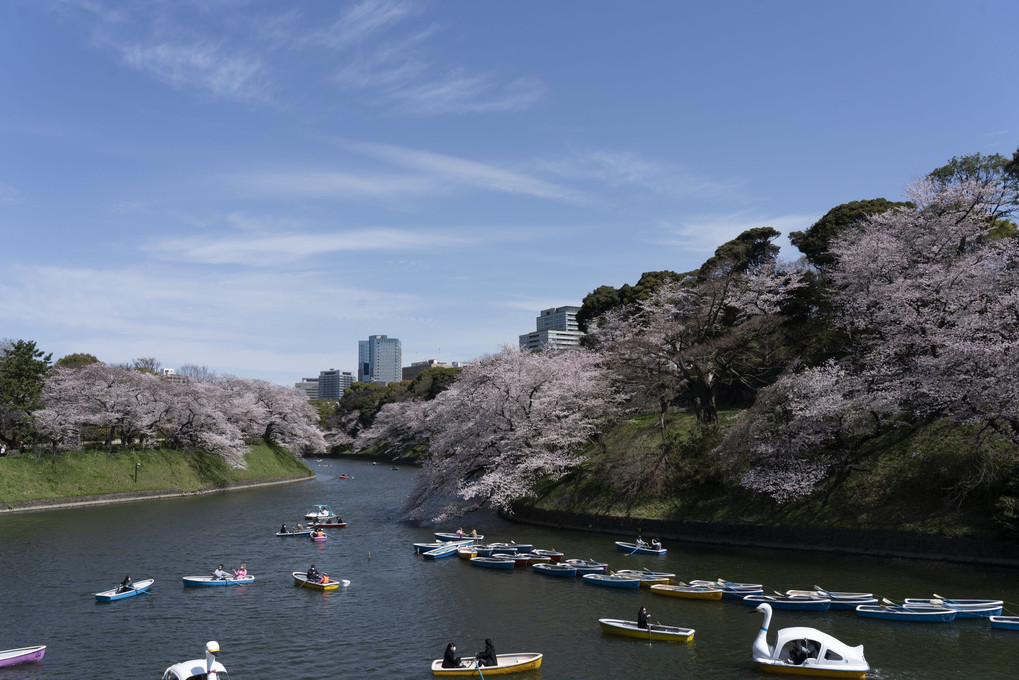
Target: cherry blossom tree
(509,420)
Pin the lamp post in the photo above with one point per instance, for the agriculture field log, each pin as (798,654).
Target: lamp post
(136,466)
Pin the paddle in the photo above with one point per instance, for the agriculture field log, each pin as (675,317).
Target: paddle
(821,590)
(896,605)
(636,549)
(477,666)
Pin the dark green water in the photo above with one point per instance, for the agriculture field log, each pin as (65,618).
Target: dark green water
(399,610)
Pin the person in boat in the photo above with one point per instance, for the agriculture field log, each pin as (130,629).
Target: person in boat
(486,657)
(283,529)
(642,618)
(125,585)
(242,572)
(640,541)
(460,532)
(474,533)
(220,572)
(449,657)
(313,575)
(656,544)
(798,653)
(300,527)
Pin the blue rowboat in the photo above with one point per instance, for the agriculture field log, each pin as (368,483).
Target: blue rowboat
(612,581)
(839,599)
(587,566)
(492,562)
(451,536)
(116,594)
(792,602)
(642,549)
(554,569)
(898,612)
(730,589)
(966,609)
(294,534)
(213,581)
(1005,622)
(446,550)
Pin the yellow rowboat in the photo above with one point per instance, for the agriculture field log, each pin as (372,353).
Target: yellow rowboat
(508,663)
(654,631)
(467,552)
(689,592)
(301,579)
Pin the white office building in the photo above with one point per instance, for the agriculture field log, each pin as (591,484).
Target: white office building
(556,328)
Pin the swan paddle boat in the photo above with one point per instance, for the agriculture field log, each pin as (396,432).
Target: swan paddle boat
(214,581)
(493,562)
(301,579)
(639,548)
(550,569)
(13,657)
(207,668)
(890,611)
(611,581)
(689,592)
(654,631)
(806,651)
(587,566)
(1000,622)
(507,663)
(732,590)
(137,588)
(965,609)
(319,513)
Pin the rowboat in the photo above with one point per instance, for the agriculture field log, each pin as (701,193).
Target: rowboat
(445,550)
(332,523)
(648,578)
(553,555)
(507,663)
(301,579)
(898,612)
(213,581)
(796,603)
(554,569)
(317,538)
(806,651)
(654,631)
(839,599)
(640,549)
(13,657)
(732,590)
(492,562)
(294,534)
(519,561)
(319,513)
(503,547)
(117,594)
(466,552)
(198,668)
(1005,622)
(425,547)
(689,592)
(533,559)
(965,609)
(587,566)
(611,581)
(452,536)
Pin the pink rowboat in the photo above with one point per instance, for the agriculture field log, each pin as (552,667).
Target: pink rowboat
(12,657)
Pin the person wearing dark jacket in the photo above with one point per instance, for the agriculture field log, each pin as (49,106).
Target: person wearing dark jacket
(486,657)
(642,618)
(449,658)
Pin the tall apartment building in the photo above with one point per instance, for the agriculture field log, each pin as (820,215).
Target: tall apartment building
(379,359)
(332,383)
(556,328)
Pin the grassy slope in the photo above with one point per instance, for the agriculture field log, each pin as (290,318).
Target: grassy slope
(95,472)
(905,483)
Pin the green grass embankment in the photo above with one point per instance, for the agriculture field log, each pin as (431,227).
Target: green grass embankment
(91,473)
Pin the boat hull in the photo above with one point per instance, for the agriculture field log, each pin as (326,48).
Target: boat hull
(301,580)
(810,671)
(652,632)
(913,614)
(507,663)
(294,534)
(804,604)
(611,581)
(688,592)
(964,609)
(587,566)
(732,590)
(14,657)
(1005,622)
(207,581)
(560,570)
(112,594)
(492,563)
(633,548)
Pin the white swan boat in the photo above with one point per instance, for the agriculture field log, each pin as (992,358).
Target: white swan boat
(203,669)
(806,651)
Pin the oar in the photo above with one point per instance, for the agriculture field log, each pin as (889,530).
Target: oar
(636,549)
(821,590)
(896,605)
(477,665)
(944,600)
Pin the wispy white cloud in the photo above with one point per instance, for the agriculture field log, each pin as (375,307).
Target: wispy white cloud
(207,66)
(623,168)
(361,22)
(277,249)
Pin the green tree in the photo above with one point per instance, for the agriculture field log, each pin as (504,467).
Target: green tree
(744,254)
(23,370)
(815,241)
(76,360)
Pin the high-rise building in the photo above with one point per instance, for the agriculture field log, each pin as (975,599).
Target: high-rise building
(378,359)
(556,329)
(416,367)
(332,383)
(310,388)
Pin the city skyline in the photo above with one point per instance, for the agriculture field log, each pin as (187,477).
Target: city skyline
(254,186)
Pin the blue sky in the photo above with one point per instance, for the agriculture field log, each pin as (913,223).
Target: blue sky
(255,186)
